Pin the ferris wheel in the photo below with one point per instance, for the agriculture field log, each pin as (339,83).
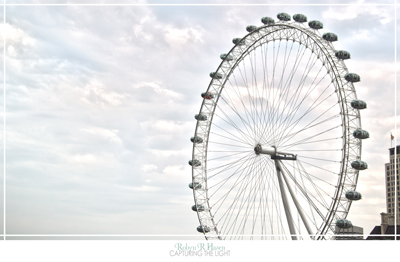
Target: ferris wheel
(277,145)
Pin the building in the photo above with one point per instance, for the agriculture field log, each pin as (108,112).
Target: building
(386,230)
(352,233)
(390,227)
(392,184)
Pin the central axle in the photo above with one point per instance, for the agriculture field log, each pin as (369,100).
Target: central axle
(274,153)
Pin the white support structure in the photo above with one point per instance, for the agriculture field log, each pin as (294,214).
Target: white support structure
(286,206)
(299,209)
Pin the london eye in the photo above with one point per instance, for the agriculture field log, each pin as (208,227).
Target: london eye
(278,137)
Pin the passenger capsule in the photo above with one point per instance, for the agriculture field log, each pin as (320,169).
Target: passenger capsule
(342,54)
(315,24)
(207,95)
(331,37)
(226,57)
(200,117)
(351,77)
(343,223)
(195,185)
(194,162)
(361,134)
(216,75)
(283,17)
(300,18)
(353,195)
(204,229)
(238,41)
(358,104)
(196,140)
(359,165)
(199,208)
(267,20)
(251,28)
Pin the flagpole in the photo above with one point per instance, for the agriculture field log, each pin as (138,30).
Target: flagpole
(391,140)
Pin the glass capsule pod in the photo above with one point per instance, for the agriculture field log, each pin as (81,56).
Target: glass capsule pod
(216,75)
(331,37)
(198,208)
(315,24)
(200,117)
(195,185)
(226,57)
(359,165)
(341,54)
(196,140)
(207,95)
(251,28)
(283,17)
(204,229)
(300,18)
(353,195)
(351,77)
(358,104)
(238,41)
(343,223)
(194,162)
(361,134)
(267,20)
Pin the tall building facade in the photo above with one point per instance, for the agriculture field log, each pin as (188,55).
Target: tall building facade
(392,184)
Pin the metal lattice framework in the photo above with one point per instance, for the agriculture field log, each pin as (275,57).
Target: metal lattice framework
(238,196)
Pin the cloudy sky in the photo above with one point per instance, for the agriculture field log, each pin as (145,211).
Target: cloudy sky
(100,102)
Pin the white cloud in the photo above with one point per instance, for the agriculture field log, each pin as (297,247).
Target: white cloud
(87,158)
(149,168)
(142,188)
(174,170)
(350,12)
(158,87)
(177,37)
(111,135)
(94,92)
(167,153)
(15,36)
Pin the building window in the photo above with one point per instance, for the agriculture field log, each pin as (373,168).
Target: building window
(388,178)
(389,201)
(387,167)
(390,210)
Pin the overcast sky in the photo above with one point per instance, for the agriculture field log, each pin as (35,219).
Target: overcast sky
(100,103)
